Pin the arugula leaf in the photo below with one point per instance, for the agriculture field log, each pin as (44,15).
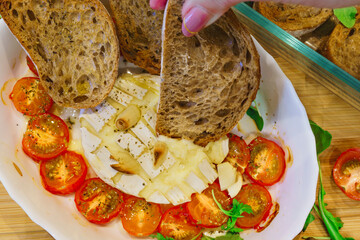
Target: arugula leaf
(306,237)
(254,113)
(234,213)
(346,16)
(322,137)
(309,220)
(332,224)
(159,236)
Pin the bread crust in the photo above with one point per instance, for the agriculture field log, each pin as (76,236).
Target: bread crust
(51,32)
(139,30)
(295,19)
(208,81)
(343,47)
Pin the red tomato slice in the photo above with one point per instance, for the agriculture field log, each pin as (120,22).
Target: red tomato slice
(267,162)
(239,153)
(64,174)
(139,217)
(46,137)
(176,224)
(97,201)
(29,97)
(259,199)
(203,210)
(346,173)
(31,65)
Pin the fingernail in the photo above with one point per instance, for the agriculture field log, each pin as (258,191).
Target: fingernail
(194,21)
(158,4)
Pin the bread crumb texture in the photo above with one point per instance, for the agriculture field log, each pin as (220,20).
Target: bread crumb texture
(209,80)
(139,31)
(343,47)
(73,44)
(292,17)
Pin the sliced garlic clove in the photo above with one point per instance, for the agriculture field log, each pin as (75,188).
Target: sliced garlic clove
(128,118)
(160,152)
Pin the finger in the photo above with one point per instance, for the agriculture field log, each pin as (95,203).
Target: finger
(158,4)
(200,13)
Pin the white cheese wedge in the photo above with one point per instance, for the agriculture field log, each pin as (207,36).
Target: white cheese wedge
(227,175)
(131,88)
(130,143)
(89,140)
(99,116)
(144,134)
(131,184)
(195,182)
(158,197)
(176,196)
(235,188)
(120,97)
(150,117)
(104,164)
(208,171)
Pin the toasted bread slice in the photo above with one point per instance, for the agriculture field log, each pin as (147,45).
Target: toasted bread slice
(73,44)
(343,47)
(295,19)
(208,80)
(139,31)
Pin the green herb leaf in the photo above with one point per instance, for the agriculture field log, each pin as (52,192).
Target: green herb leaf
(159,236)
(306,237)
(254,113)
(322,137)
(207,238)
(309,220)
(234,213)
(332,224)
(346,16)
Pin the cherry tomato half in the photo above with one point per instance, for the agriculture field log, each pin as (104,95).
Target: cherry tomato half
(31,65)
(29,97)
(97,201)
(259,199)
(64,174)
(139,217)
(203,210)
(239,153)
(267,162)
(346,173)
(176,224)
(46,137)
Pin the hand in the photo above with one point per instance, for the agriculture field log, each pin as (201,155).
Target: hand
(198,14)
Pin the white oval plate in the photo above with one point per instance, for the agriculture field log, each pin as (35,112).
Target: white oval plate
(285,119)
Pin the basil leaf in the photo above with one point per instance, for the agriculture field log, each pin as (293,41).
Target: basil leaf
(255,115)
(322,137)
(346,16)
(309,220)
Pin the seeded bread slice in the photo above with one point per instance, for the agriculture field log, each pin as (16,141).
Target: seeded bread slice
(295,19)
(343,47)
(73,44)
(139,31)
(208,80)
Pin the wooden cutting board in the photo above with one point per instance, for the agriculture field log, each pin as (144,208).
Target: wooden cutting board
(323,107)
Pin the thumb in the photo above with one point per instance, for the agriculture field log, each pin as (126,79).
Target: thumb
(198,14)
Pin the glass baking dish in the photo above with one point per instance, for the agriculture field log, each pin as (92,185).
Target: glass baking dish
(270,36)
